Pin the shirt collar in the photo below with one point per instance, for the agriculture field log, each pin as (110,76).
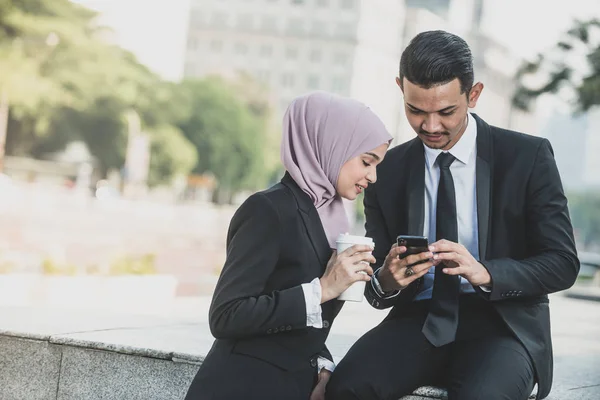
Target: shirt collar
(462,150)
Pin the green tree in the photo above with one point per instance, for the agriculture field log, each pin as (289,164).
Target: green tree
(561,69)
(229,137)
(172,154)
(65,82)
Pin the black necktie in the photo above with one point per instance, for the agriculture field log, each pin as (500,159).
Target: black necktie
(442,320)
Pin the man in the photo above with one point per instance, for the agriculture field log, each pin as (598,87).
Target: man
(473,316)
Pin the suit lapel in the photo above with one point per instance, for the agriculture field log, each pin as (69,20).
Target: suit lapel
(416,189)
(483,179)
(312,222)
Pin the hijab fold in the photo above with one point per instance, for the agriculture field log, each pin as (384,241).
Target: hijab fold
(321,131)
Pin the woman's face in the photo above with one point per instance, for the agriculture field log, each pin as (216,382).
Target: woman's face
(357,173)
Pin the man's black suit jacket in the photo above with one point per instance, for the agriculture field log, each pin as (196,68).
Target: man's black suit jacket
(525,233)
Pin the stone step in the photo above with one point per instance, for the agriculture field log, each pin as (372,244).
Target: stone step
(48,354)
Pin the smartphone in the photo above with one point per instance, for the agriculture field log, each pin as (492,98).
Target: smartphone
(413,244)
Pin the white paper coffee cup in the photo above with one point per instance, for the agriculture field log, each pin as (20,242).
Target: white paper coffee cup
(356,291)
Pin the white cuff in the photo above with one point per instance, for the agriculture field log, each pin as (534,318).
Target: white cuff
(487,289)
(312,297)
(378,290)
(325,363)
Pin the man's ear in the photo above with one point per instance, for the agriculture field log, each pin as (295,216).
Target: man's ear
(474,94)
(399,83)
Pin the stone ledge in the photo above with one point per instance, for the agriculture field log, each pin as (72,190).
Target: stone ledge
(98,359)
(39,346)
(428,392)
(431,392)
(129,350)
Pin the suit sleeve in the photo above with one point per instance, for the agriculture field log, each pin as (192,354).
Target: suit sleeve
(376,228)
(239,307)
(325,353)
(553,264)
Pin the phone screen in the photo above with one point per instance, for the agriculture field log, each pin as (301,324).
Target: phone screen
(413,244)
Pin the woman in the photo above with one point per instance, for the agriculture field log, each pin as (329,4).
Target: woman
(275,299)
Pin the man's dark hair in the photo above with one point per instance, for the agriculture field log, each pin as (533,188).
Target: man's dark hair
(435,58)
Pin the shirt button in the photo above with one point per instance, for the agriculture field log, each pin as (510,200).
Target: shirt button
(269,331)
(325,324)
(288,328)
(275,330)
(313,362)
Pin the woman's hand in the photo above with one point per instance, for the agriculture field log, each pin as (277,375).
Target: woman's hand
(351,265)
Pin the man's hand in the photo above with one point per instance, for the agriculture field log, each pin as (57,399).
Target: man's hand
(318,392)
(458,261)
(393,276)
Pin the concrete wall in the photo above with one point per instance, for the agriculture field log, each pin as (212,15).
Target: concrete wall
(34,369)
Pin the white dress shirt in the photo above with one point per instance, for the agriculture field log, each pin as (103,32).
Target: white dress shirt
(463,175)
(312,298)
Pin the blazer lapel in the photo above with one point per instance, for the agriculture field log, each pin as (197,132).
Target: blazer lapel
(311,220)
(416,189)
(483,179)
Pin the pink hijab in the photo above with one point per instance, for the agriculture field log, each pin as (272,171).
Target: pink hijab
(321,131)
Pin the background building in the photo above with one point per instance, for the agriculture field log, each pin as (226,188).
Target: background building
(350,47)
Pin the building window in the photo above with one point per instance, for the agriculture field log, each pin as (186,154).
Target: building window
(295,26)
(266,50)
(189,69)
(219,19)
(345,30)
(347,4)
(312,82)
(340,59)
(240,48)
(216,45)
(315,55)
(287,80)
(263,76)
(319,29)
(245,21)
(291,52)
(338,85)
(269,24)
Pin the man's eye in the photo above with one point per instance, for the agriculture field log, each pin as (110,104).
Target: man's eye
(366,164)
(446,114)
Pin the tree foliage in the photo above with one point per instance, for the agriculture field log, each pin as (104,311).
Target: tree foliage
(65,81)
(573,65)
(229,136)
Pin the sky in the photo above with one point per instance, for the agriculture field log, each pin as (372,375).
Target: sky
(155,29)
(530,26)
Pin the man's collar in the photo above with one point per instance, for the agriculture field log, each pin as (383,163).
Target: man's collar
(462,150)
